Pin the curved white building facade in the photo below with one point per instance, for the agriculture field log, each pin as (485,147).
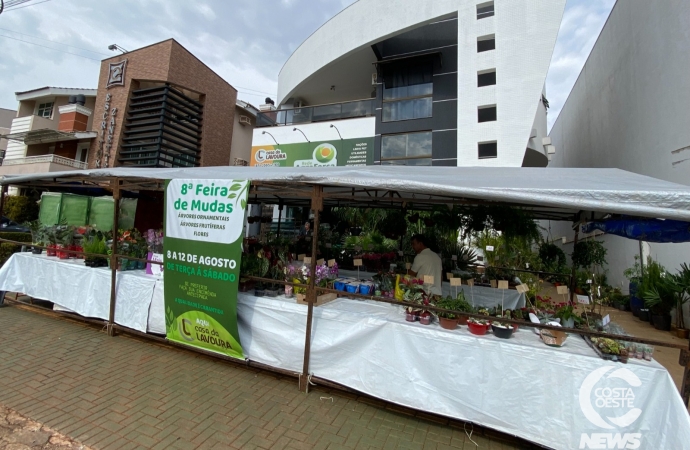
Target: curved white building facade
(474,90)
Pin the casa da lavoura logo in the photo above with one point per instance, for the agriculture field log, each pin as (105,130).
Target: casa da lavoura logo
(263,156)
(116,74)
(607,400)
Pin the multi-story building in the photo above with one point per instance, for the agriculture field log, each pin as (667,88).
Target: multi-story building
(442,83)
(160,106)
(51,131)
(6,118)
(629,110)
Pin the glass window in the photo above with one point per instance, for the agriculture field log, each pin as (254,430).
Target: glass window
(412,149)
(486,79)
(488,150)
(417,108)
(486,44)
(407,91)
(485,10)
(45,110)
(486,114)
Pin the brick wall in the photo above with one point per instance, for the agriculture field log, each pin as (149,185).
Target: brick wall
(169,62)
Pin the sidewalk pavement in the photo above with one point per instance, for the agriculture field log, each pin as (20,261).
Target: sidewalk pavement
(125,393)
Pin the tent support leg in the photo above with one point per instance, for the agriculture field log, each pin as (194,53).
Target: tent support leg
(113,258)
(685,388)
(573,275)
(316,206)
(280,217)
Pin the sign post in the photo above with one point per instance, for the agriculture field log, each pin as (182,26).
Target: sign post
(203,251)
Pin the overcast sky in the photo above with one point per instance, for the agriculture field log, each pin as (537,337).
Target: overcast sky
(60,42)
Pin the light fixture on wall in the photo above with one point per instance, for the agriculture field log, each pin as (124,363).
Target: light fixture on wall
(115,47)
(305,136)
(336,129)
(274,139)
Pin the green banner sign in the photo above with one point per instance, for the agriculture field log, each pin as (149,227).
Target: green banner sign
(203,248)
(345,152)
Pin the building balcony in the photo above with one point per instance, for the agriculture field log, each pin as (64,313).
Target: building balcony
(40,164)
(317,113)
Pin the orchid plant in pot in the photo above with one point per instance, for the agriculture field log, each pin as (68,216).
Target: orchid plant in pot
(413,292)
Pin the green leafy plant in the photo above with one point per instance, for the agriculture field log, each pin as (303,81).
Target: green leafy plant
(20,209)
(589,253)
(659,289)
(634,273)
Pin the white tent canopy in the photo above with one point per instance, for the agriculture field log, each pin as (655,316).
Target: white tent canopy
(561,192)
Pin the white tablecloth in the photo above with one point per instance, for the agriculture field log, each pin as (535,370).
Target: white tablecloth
(517,386)
(72,286)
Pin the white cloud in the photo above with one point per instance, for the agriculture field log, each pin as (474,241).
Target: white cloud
(580,28)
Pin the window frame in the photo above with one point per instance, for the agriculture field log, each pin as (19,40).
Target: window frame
(428,156)
(486,14)
(479,144)
(43,106)
(495,117)
(487,38)
(430,95)
(486,72)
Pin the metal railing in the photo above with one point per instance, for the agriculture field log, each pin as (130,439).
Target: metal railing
(55,159)
(317,113)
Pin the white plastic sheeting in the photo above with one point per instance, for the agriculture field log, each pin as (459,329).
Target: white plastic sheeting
(571,189)
(517,386)
(84,290)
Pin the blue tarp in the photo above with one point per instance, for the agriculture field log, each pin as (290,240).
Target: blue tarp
(649,230)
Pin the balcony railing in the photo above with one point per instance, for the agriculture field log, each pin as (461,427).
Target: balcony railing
(55,159)
(318,113)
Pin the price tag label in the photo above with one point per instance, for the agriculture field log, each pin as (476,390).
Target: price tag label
(493,283)
(401,253)
(562,290)
(606,320)
(527,265)
(307,260)
(428,279)
(583,299)
(503,284)
(449,275)
(408,266)
(331,262)
(522,288)
(489,248)
(301,257)
(589,281)
(470,282)
(329,245)
(358,262)
(320,262)
(456,281)
(455,257)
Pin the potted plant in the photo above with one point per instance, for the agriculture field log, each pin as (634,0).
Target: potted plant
(660,292)
(634,276)
(478,326)
(566,313)
(260,271)
(64,237)
(682,280)
(503,331)
(463,306)
(448,321)
(37,236)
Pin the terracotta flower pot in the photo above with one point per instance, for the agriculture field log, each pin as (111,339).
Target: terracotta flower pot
(462,320)
(448,324)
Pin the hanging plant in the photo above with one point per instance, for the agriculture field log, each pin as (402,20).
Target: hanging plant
(428,223)
(414,218)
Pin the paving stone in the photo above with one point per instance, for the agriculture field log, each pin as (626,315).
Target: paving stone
(124,393)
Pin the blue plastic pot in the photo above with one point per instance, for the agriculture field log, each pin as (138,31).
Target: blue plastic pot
(351,288)
(339,286)
(365,289)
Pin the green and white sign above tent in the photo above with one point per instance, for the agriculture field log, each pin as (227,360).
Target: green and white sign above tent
(203,247)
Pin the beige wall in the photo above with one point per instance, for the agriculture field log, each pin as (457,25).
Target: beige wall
(242,137)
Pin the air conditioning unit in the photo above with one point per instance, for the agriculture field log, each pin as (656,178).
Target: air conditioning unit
(374,79)
(244,120)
